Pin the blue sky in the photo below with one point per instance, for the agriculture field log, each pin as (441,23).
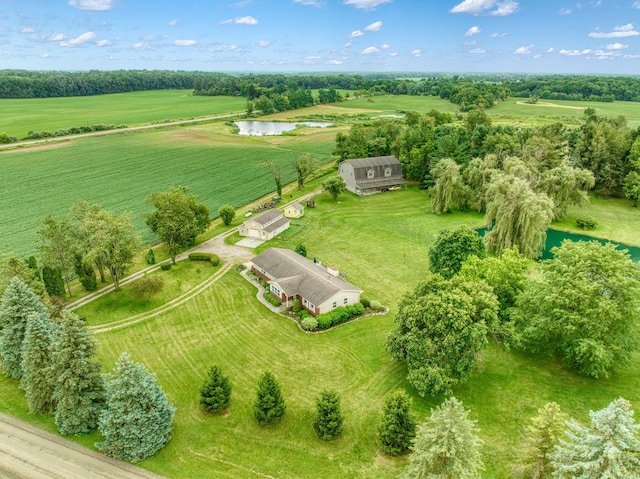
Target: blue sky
(550,36)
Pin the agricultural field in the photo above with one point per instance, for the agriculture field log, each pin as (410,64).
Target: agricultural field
(22,115)
(120,171)
(381,242)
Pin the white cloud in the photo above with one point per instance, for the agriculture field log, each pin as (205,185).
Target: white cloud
(385,46)
(173,22)
(80,40)
(103,43)
(248,20)
(185,43)
(498,35)
(226,48)
(27,30)
(492,7)
(96,5)
(416,53)
(348,44)
(374,27)
(264,43)
(636,5)
(141,46)
(616,46)
(550,50)
(56,37)
(564,11)
(154,37)
(524,50)
(472,31)
(369,51)
(478,50)
(393,54)
(618,32)
(576,53)
(310,3)
(366,4)
(334,62)
(356,34)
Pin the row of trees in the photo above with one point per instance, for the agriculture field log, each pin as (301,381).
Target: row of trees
(52,354)
(583,307)
(579,88)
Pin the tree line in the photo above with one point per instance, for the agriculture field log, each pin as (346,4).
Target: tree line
(577,87)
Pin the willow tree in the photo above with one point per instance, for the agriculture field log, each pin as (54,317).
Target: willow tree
(565,185)
(449,191)
(517,216)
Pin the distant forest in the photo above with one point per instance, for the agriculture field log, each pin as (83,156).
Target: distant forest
(469,91)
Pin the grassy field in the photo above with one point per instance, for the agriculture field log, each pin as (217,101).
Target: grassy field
(381,242)
(21,115)
(120,171)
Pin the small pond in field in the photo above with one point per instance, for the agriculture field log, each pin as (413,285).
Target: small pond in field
(556,237)
(261,128)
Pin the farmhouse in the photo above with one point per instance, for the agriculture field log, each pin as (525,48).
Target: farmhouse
(365,176)
(292,276)
(265,226)
(294,210)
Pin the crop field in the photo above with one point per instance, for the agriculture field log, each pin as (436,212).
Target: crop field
(19,116)
(120,171)
(381,242)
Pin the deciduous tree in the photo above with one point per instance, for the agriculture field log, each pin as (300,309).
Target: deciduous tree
(17,305)
(11,266)
(583,307)
(449,191)
(398,426)
(79,388)
(303,166)
(215,393)
(335,186)
(57,246)
(226,213)
(328,420)
(452,248)
(177,219)
(446,446)
(608,448)
(440,329)
(136,421)
(269,407)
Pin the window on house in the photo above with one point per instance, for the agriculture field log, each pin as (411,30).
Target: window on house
(387,172)
(335,304)
(371,174)
(346,300)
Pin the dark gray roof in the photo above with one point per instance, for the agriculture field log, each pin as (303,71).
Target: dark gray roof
(374,162)
(295,272)
(275,225)
(264,218)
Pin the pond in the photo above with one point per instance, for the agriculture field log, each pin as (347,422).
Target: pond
(261,128)
(556,237)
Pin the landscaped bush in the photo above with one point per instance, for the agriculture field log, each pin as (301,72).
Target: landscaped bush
(297,306)
(376,304)
(150,257)
(586,222)
(214,259)
(309,323)
(272,299)
(147,286)
(365,302)
(339,315)
(165,266)
(304,314)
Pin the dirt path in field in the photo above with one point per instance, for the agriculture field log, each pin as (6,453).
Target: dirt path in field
(49,141)
(554,105)
(27,452)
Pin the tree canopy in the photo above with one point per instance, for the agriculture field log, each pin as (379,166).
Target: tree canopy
(452,248)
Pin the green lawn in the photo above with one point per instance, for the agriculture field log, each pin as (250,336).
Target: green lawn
(381,242)
(120,171)
(21,115)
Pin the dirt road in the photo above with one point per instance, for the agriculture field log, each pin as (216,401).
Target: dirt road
(30,453)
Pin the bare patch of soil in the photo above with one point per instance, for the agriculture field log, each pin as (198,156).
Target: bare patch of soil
(555,105)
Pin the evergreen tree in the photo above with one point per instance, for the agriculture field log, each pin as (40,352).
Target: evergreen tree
(136,422)
(328,419)
(398,426)
(18,302)
(79,388)
(215,394)
(36,357)
(609,448)
(53,282)
(269,407)
(541,437)
(446,446)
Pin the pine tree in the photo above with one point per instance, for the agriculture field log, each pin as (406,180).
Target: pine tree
(136,422)
(542,436)
(398,426)
(269,407)
(79,388)
(609,448)
(328,419)
(446,446)
(215,394)
(36,357)
(18,302)
(53,282)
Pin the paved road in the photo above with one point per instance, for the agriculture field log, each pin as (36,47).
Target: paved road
(29,453)
(113,132)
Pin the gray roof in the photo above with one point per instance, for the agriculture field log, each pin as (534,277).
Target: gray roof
(378,164)
(297,206)
(298,275)
(275,225)
(374,162)
(264,218)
